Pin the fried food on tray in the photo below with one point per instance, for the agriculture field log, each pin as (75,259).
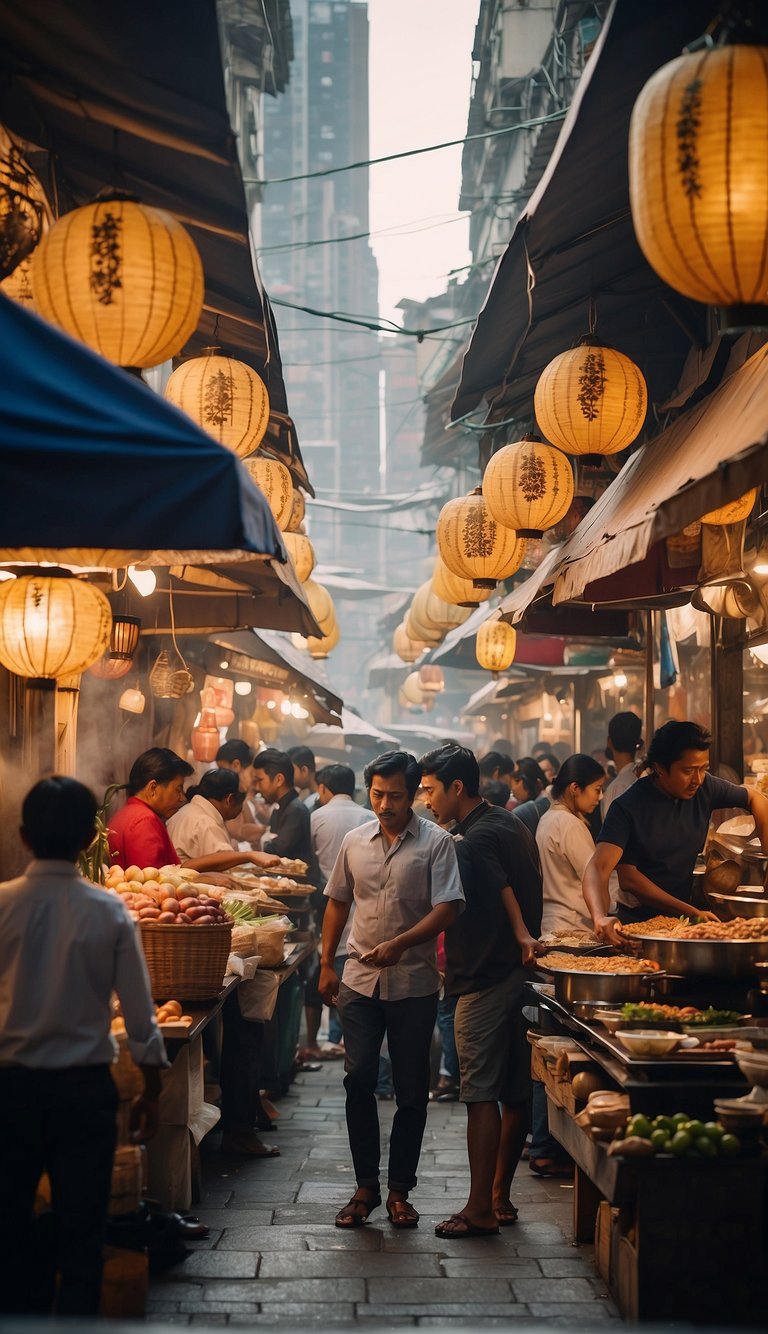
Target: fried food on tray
(740,928)
(575,940)
(656,926)
(567,963)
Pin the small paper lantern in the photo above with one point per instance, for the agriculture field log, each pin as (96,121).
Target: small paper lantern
(474,545)
(412,689)
(495,645)
(528,486)
(274,480)
(591,400)
(110,669)
(124,639)
(320,604)
(433,613)
(302,553)
(431,678)
(698,180)
(321,647)
(205,737)
(429,635)
(52,625)
(225,397)
(298,510)
(124,278)
(22,207)
(733,512)
(406,648)
(460,592)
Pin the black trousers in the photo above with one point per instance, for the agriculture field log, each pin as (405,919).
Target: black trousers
(61,1122)
(240,1069)
(409,1025)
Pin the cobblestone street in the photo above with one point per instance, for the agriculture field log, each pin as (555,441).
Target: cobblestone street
(274,1255)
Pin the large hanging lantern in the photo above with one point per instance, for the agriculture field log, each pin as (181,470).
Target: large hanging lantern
(433,613)
(302,553)
(735,512)
(406,648)
(460,592)
(591,400)
(474,545)
(698,178)
(225,397)
(274,480)
(528,486)
(429,635)
(320,604)
(52,625)
(298,510)
(431,679)
(495,645)
(22,207)
(322,646)
(124,278)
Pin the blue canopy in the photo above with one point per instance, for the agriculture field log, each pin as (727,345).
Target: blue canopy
(93,458)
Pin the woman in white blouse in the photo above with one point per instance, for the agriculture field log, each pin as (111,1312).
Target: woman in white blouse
(566,845)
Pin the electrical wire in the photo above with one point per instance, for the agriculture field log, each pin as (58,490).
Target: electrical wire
(391,232)
(410,152)
(377,326)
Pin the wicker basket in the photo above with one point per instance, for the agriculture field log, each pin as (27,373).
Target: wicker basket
(186,962)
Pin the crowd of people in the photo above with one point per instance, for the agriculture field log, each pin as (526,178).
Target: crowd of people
(449,861)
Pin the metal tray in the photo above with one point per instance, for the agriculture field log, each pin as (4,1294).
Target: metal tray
(722,959)
(573,986)
(752,904)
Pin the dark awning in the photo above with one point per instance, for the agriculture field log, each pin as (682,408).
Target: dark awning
(272,660)
(132,96)
(576,241)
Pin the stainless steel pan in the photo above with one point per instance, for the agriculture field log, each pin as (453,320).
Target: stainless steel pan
(728,959)
(741,905)
(574,987)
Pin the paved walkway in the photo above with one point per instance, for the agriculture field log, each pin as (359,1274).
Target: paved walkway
(274,1256)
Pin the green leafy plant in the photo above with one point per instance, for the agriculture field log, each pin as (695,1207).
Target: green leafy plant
(95,859)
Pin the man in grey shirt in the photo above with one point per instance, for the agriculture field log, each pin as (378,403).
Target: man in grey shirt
(403,878)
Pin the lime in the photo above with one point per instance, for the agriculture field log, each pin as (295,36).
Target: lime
(730,1145)
(706,1146)
(639,1125)
(660,1140)
(665,1123)
(695,1129)
(679,1119)
(713,1130)
(680,1143)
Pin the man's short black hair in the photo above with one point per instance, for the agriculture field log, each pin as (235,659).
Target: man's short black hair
(159,765)
(218,784)
(58,818)
(338,778)
(302,757)
(670,741)
(275,762)
(496,759)
(495,792)
(235,750)
(451,762)
(395,762)
(624,732)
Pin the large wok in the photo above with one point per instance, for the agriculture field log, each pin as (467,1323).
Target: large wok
(573,987)
(752,904)
(722,959)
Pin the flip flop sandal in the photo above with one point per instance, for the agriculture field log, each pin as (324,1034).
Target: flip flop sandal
(506,1215)
(350,1216)
(469,1229)
(545,1167)
(401,1214)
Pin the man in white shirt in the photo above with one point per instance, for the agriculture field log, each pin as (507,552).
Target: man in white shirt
(199,829)
(624,741)
(246,827)
(402,875)
(304,775)
(65,945)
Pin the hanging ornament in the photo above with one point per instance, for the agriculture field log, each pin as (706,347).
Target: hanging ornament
(473,545)
(225,397)
(298,510)
(528,486)
(205,737)
(23,207)
(301,552)
(274,481)
(52,625)
(320,604)
(167,681)
(495,646)
(407,649)
(591,401)
(431,679)
(452,588)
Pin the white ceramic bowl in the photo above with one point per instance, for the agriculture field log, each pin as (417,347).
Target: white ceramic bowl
(648,1041)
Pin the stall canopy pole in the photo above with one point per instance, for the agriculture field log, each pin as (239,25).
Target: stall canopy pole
(649,692)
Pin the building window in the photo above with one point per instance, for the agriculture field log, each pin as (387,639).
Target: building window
(320,13)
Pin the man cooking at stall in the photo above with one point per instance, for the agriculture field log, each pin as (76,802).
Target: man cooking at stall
(654,832)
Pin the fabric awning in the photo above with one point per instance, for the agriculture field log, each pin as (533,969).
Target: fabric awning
(131,96)
(575,241)
(711,455)
(354,730)
(272,660)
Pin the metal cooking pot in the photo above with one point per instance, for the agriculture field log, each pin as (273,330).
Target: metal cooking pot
(575,987)
(741,905)
(723,959)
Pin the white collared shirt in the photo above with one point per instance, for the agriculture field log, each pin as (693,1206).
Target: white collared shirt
(623,781)
(330,823)
(198,829)
(65,946)
(565,847)
(393,886)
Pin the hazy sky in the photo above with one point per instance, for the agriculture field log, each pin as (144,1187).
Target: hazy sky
(420,76)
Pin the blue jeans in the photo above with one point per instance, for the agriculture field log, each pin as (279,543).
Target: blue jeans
(449,1060)
(543,1145)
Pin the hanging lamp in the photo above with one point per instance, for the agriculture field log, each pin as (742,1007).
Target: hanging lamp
(225,397)
(472,543)
(591,401)
(52,624)
(274,481)
(495,645)
(452,588)
(528,486)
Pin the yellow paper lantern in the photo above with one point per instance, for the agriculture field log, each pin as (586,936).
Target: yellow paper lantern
(460,592)
(124,278)
(406,648)
(23,207)
(433,613)
(495,645)
(225,397)
(274,480)
(735,511)
(472,543)
(528,486)
(429,635)
(412,689)
(52,625)
(698,178)
(321,647)
(591,400)
(298,510)
(431,678)
(320,604)
(302,553)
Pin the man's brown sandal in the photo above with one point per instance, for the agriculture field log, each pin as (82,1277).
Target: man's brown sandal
(356,1212)
(402,1214)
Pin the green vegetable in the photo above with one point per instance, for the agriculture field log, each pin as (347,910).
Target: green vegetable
(705,1146)
(660,1141)
(694,1129)
(680,1143)
(679,1119)
(639,1125)
(714,1130)
(665,1123)
(730,1145)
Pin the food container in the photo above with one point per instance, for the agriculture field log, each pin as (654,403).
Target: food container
(186,961)
(648,1041)
(752,1064)
(574,987)
(270,944)
(723,959)
(745,903)
(740,1116)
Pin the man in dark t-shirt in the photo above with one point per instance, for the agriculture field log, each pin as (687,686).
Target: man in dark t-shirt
(485,968)
(655,831)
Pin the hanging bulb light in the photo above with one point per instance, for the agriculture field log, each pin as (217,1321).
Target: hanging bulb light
(132,700)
